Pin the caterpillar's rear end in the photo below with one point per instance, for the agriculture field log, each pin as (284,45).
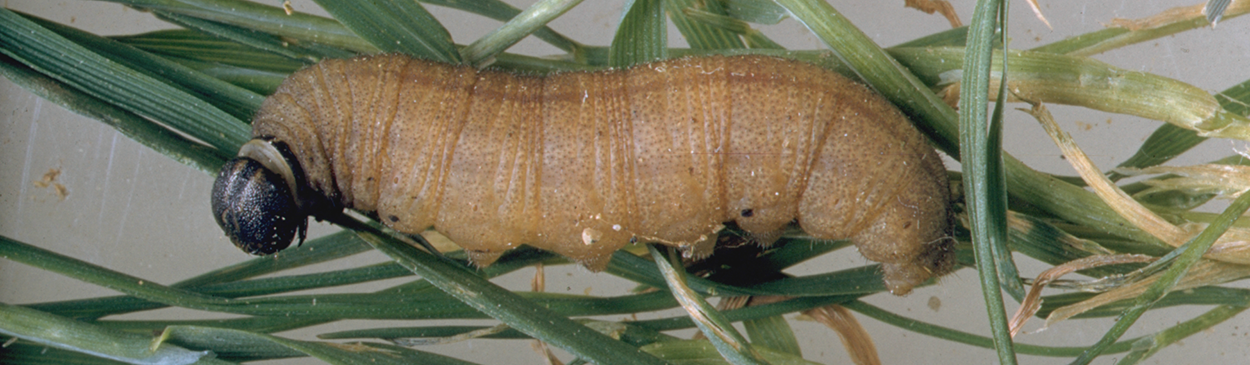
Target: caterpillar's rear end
(581,163)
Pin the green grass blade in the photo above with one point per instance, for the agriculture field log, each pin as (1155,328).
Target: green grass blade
(64,333)
(132,90)
(268,19)
(752,312)
(969,338)
(719,331)
(1068,80)
(756,11)
(509,308)
(333,353)
(322,249)
(147,133)
(501,11)
(698,34)
(642,36)
(483,50)
(753,38)
(773,333)
(701,352)
(396,26)
(980,146)
(261,82)
(239,102)
(260,41)
(1146,346)
(193,45)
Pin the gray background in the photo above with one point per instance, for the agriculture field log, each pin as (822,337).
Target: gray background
(133,210)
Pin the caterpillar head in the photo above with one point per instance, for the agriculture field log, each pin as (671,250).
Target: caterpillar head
(256,198)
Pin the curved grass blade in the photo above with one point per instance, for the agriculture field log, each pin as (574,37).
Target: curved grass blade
(719,331)
(68,334)
(396,26)
(132,90)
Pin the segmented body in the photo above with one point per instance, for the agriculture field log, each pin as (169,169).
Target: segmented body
(581,162)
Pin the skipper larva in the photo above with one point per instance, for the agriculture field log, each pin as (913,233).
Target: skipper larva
(581,163)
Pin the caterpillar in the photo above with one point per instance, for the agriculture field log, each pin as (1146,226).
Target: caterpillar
(583,163)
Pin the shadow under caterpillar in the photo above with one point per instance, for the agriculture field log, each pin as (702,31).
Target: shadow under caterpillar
(581,163)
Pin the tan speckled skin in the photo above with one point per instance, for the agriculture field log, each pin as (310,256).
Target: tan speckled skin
(578,163)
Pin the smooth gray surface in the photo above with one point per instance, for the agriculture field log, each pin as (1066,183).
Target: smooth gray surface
(133,210)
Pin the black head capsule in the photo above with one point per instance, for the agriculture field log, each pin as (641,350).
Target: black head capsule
(256,198)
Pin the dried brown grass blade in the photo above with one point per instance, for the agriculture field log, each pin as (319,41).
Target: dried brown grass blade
(858,343)
(1033,301)
(938,6)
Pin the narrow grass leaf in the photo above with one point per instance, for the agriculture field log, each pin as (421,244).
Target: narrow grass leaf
(756,11)
(701,352)
(333,353)
(1147,346)
(130,89)
(642,36)
(396,26)
(980,146)
(193,45)
(502,11)
(141,130)
(719,331)
(305,54)
(753,38)
(507,307)
(321,249)
(482,51)
(64,333)
(773,333)
(265,18)
(239,102)
(698,34)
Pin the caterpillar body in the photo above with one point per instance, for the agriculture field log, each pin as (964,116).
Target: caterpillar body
(581,163)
